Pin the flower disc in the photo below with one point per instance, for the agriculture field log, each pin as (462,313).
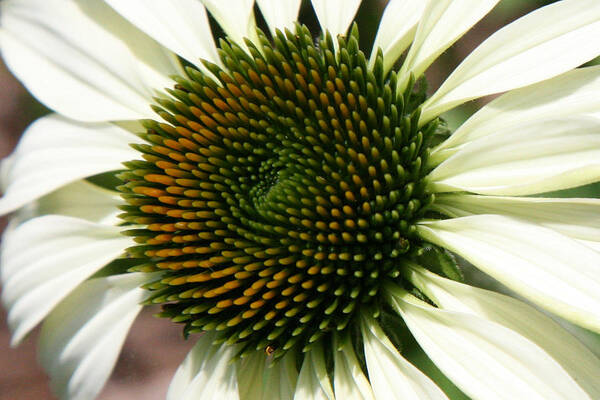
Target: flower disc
(280,191)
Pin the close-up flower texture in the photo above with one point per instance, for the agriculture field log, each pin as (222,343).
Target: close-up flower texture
(298,205)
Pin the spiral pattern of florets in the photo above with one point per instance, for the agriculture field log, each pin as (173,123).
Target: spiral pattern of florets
(280,191)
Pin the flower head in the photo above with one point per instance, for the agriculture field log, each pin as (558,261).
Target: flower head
(297,205)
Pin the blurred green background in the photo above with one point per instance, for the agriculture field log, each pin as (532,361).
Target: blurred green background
(155,348)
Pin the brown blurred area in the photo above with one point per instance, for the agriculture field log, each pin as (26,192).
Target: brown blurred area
(155,347)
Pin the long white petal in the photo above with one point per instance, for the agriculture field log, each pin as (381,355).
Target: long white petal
(280,14)
(573,356)
(442,24)
(82,337)
(544,43)
(206,373)
(180,25)
(80,199)
(540,156)
(576,218)
(280,379)
(82,68)
(349,382)
(484,359)
(250,372)
(391,376)
(574,93)
(555,272)
(46,258)
(313,382)
(397,29)
(153,62)
(335,16)
(236,17)
(55,151)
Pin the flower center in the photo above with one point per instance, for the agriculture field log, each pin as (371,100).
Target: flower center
(280,191)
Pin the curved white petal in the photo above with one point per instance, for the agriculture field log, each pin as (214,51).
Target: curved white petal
(573,356)
(396,30)
(349,382)
(538,157)
(153,62)
(206,373)
(335,16)
(236,17)
(574,93)
(81,338)
(180,25)
(55,151)
(576,218)
(250,372)
(45,258)
(544,43)
(79,199)
(313,382)
(484,359)
(442,24)
(280,14)
(392,377)
(65,55)
(555,272)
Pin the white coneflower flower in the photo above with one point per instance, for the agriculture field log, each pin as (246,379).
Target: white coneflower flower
(295,204)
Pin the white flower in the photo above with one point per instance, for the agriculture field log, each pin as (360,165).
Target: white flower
(320,221)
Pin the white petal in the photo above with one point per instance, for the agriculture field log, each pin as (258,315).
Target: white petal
(544,43)
(280,379)
(82,337)
(590,339)
(79,68)
(442,24)
(280,14)
(45,258)
(236,17)
(396,29)
(574,357)
(55,151)
(180,25)
(553,271)
(484,359)
(80,199)
(313,382)
(335,16)
(391,376)
(206,373)
(154,63)
(349,382)
(574,93)
(591,244)
(191,366)
(538,157)
(576,218)
(260,378)
(250,372)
